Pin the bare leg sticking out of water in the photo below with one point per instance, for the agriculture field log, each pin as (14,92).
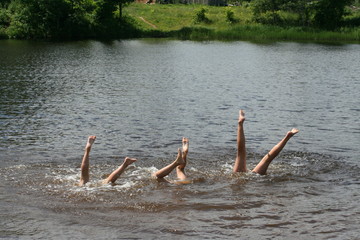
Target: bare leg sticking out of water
(180,169)
(84,178)
(240,162)
(261,168)
(116,174)
(263,165)
(169,168)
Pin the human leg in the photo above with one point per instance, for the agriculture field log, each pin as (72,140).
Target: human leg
(240,161)
(116,174)
(180,169)
(168,169)
(263,165)
(84,178)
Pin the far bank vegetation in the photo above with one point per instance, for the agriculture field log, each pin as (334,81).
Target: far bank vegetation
(318,20)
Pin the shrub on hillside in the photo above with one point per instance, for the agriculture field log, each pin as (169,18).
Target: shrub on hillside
(200,16)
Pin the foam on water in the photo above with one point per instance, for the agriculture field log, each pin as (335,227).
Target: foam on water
(62,179)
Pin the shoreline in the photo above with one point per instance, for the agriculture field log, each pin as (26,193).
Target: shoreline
(250,33)
(176,21)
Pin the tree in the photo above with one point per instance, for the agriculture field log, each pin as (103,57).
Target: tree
(4,3)
(329,13)
(263,6)
(107,8)
(38,18)
(266,11)
(304,8)
(57,19)
(121,4)
(105,11)
(80,19)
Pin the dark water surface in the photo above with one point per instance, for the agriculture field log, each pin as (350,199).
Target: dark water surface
(139,98)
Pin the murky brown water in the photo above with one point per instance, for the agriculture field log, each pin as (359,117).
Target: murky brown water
(140,98)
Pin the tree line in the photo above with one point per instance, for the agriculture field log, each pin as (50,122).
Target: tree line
(322,14)
(78,19)
(63,19)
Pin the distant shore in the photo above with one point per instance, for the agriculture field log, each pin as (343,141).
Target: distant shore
(179,22)
(189,22)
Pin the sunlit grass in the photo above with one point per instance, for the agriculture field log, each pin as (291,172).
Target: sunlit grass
(177,21)
(168,17)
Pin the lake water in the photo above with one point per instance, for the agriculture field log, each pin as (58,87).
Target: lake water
(140,97)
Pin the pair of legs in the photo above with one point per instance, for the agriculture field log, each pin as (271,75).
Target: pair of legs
(84,178)
(179,163)
(261,168)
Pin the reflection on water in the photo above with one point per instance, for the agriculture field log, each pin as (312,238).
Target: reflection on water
(139,98)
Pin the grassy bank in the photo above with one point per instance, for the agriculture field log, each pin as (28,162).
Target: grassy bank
(69,20)
(224,23)
(265,33)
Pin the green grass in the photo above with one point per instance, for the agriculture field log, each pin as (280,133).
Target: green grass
(177,21)
(261,32)
(169,17)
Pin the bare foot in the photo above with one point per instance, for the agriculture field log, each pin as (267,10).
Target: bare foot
(90,142)
(179,159)
(185,150)
(292,132)
(185,145)
(128,161)
(241,116)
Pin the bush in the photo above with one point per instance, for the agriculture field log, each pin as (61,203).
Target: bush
(183,34)
(4,18)
(3,34)
(272,18)
(201,34)
(200,16)
(351,21)
(329,13)
(230,16)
